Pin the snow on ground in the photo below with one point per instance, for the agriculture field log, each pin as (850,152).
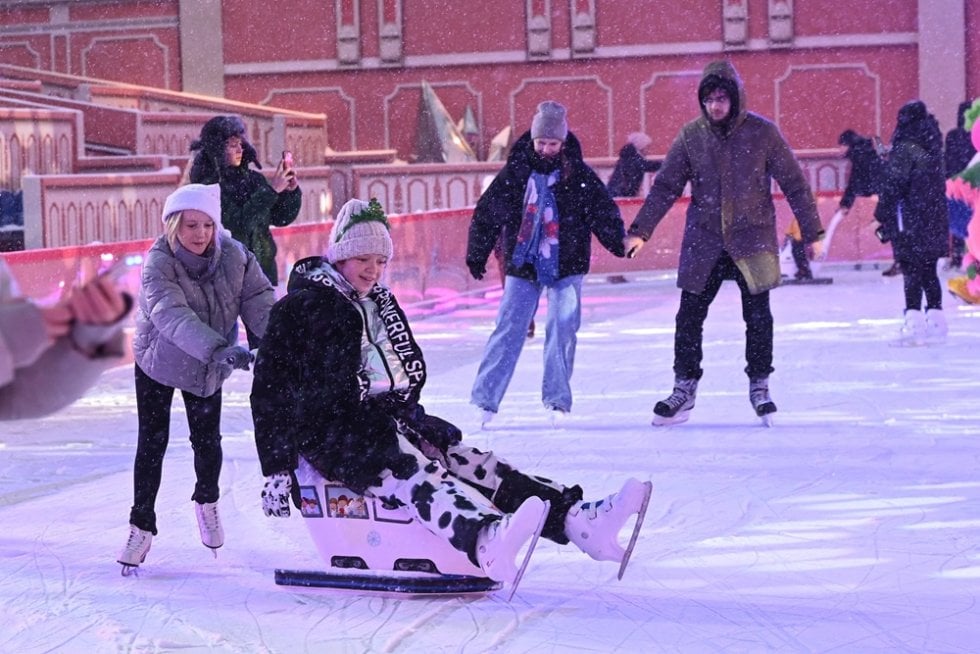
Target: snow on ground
(851,526)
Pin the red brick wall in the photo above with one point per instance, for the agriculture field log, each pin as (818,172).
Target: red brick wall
(853,63)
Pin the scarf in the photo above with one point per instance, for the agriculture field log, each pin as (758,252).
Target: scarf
(318,272)
(537,240)
(198,266)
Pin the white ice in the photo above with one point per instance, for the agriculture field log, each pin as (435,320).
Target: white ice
(852,525)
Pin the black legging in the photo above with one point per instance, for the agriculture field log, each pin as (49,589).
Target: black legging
(693,311)
(153,402)
(920,278)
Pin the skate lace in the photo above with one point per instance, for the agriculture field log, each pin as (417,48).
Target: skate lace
(759,395)
(678,398)
(592,509)
(136,539)
(210,516)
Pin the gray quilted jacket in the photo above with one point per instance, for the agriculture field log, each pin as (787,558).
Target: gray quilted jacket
(181,322)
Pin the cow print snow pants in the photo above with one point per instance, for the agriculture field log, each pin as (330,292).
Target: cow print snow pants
(456,495)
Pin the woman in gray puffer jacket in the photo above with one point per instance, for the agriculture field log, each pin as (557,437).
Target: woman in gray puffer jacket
(196,282)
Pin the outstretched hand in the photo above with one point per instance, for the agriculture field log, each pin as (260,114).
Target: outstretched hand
(97,302)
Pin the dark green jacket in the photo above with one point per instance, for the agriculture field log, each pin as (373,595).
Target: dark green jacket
(249,206)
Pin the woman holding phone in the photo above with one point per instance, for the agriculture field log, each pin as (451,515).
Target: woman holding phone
(250,203)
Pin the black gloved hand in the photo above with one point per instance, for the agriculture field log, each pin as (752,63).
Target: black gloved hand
(477,269)
(235,356)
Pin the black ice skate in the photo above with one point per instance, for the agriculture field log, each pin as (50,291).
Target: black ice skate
(761,402)
(677,407)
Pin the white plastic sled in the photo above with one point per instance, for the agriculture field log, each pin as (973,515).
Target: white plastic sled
(370,548)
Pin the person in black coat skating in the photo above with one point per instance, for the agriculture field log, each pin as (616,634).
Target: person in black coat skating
(632,165)
(914,218)
(959,151)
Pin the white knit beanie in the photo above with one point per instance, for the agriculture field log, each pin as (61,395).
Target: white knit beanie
(639,140)
(361,228)
(203,197)
(550,122)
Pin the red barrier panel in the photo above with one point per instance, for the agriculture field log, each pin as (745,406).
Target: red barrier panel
(427,270)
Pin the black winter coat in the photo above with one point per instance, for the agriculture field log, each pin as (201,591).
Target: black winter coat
(628,174)
(912,204)
(309,397)
(867,172)
(584,208)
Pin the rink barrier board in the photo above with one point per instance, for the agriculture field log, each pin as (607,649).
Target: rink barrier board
(428,272)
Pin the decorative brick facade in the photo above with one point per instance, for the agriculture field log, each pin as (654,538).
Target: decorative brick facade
(619,66)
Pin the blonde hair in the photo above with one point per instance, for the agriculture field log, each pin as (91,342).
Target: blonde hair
(170,226)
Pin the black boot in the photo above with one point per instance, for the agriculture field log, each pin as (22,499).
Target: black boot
(896,269)
(800,259)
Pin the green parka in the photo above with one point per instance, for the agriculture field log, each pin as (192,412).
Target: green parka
(730,168)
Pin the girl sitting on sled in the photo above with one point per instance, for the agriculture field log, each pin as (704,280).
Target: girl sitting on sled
(337,381)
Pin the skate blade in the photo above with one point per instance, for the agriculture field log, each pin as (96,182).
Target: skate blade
(129,570)
(640,515)
(815,281)
(387,583)
(530,550)
(663,421)
(767,420)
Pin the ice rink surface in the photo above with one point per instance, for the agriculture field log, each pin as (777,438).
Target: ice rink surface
(852,525)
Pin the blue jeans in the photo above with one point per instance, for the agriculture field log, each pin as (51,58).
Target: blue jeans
(517,308)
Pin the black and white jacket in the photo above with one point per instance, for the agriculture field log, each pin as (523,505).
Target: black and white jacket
(336,379)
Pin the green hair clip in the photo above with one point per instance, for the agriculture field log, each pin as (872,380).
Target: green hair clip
(374,213)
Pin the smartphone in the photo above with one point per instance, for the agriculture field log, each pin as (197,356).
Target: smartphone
(287,159)
(118,269)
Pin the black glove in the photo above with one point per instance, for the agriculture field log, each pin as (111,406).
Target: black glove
(235,356)
(477,269)
(880,233)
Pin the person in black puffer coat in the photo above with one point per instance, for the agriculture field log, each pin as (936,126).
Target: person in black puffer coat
(249,203)
(914,218)
(544,205)
(632,165)
(867,168)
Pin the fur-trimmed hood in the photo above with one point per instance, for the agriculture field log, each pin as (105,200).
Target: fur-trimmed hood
(210,149)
